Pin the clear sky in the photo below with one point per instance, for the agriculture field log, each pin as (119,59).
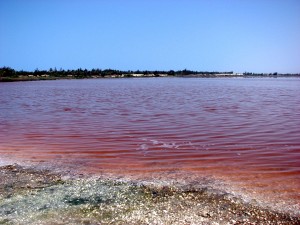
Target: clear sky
(204,35)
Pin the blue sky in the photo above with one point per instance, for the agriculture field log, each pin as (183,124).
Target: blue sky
(211,35)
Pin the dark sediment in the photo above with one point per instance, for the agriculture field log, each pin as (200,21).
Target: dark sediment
(31,196)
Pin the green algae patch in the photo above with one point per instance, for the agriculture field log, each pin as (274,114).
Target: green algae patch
(31,196)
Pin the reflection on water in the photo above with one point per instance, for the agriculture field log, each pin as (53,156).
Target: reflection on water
(243,130)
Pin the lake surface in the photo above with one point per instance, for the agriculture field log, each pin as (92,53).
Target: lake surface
(242,130)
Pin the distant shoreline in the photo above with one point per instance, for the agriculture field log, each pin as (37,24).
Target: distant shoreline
(8,74)
(39,78)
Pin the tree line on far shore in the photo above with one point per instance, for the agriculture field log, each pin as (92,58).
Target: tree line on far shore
(7,73)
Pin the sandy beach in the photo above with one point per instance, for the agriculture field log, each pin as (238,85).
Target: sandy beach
(29,195)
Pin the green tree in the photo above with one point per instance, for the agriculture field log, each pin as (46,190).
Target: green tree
(7,72)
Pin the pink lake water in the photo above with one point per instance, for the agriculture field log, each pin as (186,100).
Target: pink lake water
(245,131)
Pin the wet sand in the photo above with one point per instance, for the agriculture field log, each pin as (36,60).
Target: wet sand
(31,195)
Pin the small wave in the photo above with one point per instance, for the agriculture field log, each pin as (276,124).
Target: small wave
(143,147)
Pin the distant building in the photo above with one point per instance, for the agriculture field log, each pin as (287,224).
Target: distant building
(137,75)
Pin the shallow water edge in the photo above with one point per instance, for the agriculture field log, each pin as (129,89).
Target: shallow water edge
(36,195)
